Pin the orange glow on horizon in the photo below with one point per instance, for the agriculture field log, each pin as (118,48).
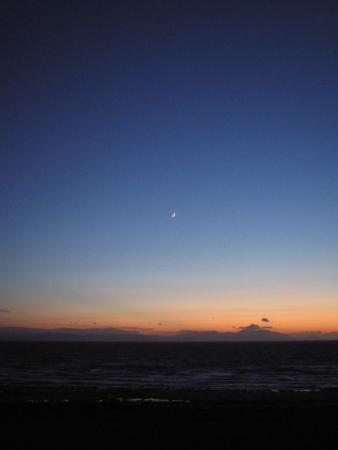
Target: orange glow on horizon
(171,320)
(286,312)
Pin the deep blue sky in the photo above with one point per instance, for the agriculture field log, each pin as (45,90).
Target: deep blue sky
(115,113)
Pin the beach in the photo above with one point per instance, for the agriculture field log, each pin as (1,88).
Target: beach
(106,419)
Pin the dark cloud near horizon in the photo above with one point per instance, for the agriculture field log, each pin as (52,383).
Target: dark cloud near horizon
(252,326)
(136,329)
(2,310)
(252,331)
(265,319)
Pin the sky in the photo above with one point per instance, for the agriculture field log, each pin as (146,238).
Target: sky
(114,114)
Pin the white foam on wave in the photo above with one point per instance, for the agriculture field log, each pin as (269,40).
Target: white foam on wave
(151,400)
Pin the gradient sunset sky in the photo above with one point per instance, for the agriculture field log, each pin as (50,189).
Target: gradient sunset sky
(115,113)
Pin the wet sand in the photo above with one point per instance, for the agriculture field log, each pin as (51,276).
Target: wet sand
(49,418)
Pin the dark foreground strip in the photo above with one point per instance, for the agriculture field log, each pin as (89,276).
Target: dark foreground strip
(114,425)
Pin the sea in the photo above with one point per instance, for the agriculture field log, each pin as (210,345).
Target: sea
(303,366)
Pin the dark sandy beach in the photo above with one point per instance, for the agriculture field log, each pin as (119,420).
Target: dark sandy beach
(101,419)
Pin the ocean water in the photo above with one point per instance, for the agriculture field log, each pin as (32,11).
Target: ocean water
(196,366)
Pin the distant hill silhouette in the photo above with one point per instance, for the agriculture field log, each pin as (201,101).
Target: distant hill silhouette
(251,332)
(254,332)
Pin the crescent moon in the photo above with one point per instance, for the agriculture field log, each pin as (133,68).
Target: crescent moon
(172,215)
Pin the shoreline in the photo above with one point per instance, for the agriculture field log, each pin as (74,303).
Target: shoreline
(10,394)
(232,423)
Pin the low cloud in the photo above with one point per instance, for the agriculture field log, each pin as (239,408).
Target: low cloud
(251,327)
(5,310)
(265,319)
(141,329)
(252,332)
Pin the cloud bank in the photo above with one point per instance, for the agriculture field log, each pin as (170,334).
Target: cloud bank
(252,332)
